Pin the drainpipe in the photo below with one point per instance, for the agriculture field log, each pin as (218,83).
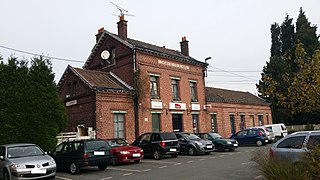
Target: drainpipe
(135,100)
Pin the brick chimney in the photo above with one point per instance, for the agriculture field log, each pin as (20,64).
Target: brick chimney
(122,28)
(184,46)
(100,32)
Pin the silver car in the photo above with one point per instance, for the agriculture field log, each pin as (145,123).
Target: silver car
(293,146)
(25,161)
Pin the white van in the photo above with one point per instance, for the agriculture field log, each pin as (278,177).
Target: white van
(279,130)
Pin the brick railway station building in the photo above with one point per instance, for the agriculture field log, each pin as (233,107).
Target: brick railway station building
(128,87)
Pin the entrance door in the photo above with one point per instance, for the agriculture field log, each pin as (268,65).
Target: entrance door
(177,122)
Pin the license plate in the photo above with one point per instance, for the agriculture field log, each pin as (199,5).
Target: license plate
(173,150)
(136,155)
(235,144)
(209,147)
(38,171)
(98,153)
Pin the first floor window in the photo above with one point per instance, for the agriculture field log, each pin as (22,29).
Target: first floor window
(175,89)
(154,87)
(118,124)
(193,92)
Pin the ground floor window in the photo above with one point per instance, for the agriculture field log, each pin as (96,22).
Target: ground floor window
(242,122)
(232,123)
(252,121)
(156,123)
(118,124)
(195,123)
(177,122)
(214,126)
(260,119)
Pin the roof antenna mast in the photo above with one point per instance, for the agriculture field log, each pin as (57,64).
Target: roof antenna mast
(123,12)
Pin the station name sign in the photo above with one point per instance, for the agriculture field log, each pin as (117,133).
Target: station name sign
(181,66)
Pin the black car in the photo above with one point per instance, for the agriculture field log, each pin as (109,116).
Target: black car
(157,144)
(74,155)
(192,144)
(221,144)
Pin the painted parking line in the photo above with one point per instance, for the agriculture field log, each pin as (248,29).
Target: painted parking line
(190,162)
(146,170)
(212,157)
(177,164)
(161,167)
(196,157)
(127,174)
(106,178)
(59,177)
(120,169)
(159,162)
(221,156)
(201,159)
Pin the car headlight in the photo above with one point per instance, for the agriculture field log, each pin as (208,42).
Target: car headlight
(52,162)
(198,143)
(124,152)
(17,166)
(229,142)
(141,150)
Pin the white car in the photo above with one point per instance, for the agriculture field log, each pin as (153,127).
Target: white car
(25,161)
(279,130)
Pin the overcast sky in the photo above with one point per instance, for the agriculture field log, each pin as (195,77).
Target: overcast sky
(235,33)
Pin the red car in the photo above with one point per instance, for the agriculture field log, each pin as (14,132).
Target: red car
(124,152)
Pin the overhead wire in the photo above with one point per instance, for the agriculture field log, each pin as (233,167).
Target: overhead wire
(35,54)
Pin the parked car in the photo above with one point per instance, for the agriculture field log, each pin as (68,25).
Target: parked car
(221,144)
(279,130)
(269,134)
(25,161)
(251,136)
(192,144)
(124,152)
(157,144)
(76,154)
(293,146)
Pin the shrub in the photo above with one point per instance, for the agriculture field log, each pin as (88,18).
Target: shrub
(283,169)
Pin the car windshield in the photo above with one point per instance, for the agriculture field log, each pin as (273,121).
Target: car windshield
(24,151)
(97,145)
(191,136)
(215,136)
(269,129)
(117,142)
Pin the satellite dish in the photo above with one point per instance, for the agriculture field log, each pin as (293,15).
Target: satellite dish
(105,54)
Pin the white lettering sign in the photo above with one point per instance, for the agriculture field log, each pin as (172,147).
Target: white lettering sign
(156,104)
(177,106)
(70,103)
(173,64)
(195,107)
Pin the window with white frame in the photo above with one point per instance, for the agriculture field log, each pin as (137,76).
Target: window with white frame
(193,91)
(118,124)
(175,89)
(154,87)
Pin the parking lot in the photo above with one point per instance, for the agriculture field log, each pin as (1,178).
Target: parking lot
(217,165)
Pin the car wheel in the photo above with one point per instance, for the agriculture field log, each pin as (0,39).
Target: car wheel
(207,153)
(174,155)
(74,168)
(136,161)
(115,160)
(102,167)
(157,155)
(220,147)
(191,151)
(231,149)
(259,143)
(6,175)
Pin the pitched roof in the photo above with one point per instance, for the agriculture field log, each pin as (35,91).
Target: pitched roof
(145,47)
(230,96)
(98,80)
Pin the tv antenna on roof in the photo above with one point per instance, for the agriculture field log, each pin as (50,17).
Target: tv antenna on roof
(123,12)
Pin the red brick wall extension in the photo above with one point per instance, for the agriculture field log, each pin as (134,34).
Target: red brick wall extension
(109,103)
(223,111)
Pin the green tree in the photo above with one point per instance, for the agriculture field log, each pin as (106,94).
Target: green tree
(31,110)
(306,34)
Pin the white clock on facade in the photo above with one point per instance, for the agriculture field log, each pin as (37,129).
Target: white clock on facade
(105,54)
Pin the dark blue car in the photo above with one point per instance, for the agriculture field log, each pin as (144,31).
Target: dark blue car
(250,136)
